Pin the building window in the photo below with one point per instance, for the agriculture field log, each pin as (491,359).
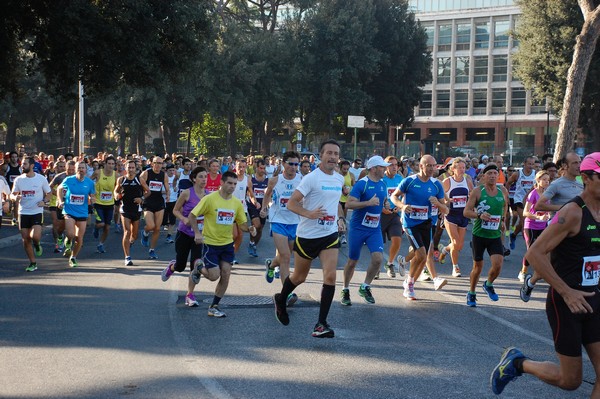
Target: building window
(501,29)
(430,31)
(442,107)
(538,106)
(517,103)
(498,101)
(482,34)
(461,102)
(480,69)
(445,38)
(462,70)
(425,105)
(479,102)
(515,41)
(500,68)
(463,36)
(444,69)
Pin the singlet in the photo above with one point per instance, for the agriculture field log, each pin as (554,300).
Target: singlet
(577,259)
(219,216)
(241,190)
(213,185)
(155,182)
(185,211)
(348,185)
(12,172)
(172,189)
(258,188)
(458,194)
(132,189)
(524,185)
(494,205)
(104,188)
(368,217)
(58,179)
(76,196)
(416,194)
(184,182)
(282,191)
(533,224)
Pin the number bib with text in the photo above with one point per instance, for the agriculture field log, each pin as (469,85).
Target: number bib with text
(419,212)
(492,224)
(155,186)
(460,201)
(225,216)
(371,220)
(590,271)
(76,199)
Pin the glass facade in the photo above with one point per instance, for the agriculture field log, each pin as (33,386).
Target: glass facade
(462,69)
(480,69)
(424,6)
(442,106)
(500,68)
(501,30)
(479,101)
(444,69)
(461,102)
(425,104)
(482,34)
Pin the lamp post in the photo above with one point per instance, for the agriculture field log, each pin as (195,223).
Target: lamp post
(548,139)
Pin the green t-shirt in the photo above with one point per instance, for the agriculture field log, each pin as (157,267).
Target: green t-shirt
(494,205)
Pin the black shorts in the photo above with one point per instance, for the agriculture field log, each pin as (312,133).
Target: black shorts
(310,248)
(479,245)
(255,213)
(133,216)
(569,330)
(28,221)
(390,226)
(511,204)
(76,218)
(151,207)
(59,214)
(186,248)
(343,204)
(420,235)
(168,218)
(519,205)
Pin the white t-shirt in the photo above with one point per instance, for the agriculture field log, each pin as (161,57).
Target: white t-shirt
(32,189)
(355,172)
(4,191)
(320,190)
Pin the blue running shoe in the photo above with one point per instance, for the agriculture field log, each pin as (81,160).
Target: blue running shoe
(100,248)
(252,250)
(513,240)
(471,300)
(489,289)
(505,371)
(152,254)
(145,241)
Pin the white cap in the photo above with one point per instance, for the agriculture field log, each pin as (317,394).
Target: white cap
(376,161)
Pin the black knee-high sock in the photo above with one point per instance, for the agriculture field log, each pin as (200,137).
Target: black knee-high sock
(327,293)
(288,288)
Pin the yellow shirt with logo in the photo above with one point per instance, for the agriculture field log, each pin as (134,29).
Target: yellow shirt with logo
(219,216)
(348,183)
(104,189)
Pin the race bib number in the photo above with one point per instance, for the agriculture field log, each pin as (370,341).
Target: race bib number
(225,216)
(492,224)
(460,201)
(371,220)
(390,191)
(75,199)
(259,193)
(527,184)
(283,202)
(28,194)
(106,196)
(326,221)
(419,212)
(434,210)
(155,186)
(13,177)
(590,273)
(200,221)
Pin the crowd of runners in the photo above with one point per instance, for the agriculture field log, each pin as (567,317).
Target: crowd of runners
(207,205)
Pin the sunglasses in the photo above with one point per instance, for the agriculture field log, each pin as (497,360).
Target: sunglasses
(293,163)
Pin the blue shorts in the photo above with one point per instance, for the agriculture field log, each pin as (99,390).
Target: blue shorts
(105,213)
(458,220)
(357,237)
(288,230)
(214,254)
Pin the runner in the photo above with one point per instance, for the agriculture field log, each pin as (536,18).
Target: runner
(130,192)
(153,180)
(349,182)
(524,179)
(213,181)
(58,220)
(73,200)
(316,200)
(366,199)
(243,191)
(168,217)
(260,182)
(573,302)
(106,180)
(487,204)
(32,191)
(11,171)
(220,210)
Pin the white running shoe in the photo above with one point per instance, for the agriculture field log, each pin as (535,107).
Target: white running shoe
(402,265)
(425,276)
(522,277)
(439,282)
(456,271)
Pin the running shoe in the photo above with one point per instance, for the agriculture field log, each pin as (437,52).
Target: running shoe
(345,294)
(190,300)
(436,255)
(100,248)
(505,371)
(169,239)
(280,312)
(277,272)
(425,275)
(235,262)
(525,291)
(409,290)
(167,271)
(38,249)
(68,246)
(443,253)
(145,241)
(214,311)
(61,244)
(252,250)
(506,252)
(152,254)
(366,294)
(196,274)
(56,249)
(13,222)
(269,271)
(73,262)
(291,299)
(118,228)
(322,330)
(402,265)
(343,239)
(377,275)
(96,232)
(521,276)
(390,270)
(471,300)
(489,289)
(439,283)
(456,271)
(513,241)
(128,261)
(32,267)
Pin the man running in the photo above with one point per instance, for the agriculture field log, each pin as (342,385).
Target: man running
(58,220)
(243,191)
(260,182)
(316,200)
(168,217)
(391,226)
(524,180)
(11,171)
(154,180)
(106,180)
(130,193)
(567,256)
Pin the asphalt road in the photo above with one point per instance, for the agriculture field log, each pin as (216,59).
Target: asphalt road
(104,331)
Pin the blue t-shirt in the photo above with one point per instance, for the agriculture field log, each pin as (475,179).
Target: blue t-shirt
(417,193)
(76,196)
(392,184)
(364,190)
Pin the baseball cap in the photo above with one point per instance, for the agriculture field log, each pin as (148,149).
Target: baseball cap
(376,161)
(591,162)
(447,162)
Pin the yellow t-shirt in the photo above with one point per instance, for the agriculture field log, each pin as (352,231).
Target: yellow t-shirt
(347,182)
(104,189)
(219,216)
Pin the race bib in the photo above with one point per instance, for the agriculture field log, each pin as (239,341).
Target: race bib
(28,193)
(200,221)
(106,196)
(434,210)
(76,199)
(155,186)
(283,202)
(590,272)
(419,212)
(390,191)
(371,220)
(225,216)
(259,193)
(527,184)
(326,221)
(13,177)
(492,224)
(460,201)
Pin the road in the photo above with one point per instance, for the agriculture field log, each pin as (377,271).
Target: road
(105,331)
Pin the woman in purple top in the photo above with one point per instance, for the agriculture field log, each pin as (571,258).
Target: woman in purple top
(185,246)
(535,223)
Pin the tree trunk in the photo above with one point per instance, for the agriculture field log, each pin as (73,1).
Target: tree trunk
(98,128)
(231,135)
(122,138)
(577,75)
(132,133)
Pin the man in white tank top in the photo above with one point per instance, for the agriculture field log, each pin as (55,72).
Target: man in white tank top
(524,179)
(242,191)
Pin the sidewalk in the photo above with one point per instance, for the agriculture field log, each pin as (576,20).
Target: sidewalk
(10,235)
